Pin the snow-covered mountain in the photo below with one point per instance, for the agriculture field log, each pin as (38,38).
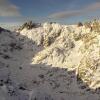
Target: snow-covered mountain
(50,61)
(71,46)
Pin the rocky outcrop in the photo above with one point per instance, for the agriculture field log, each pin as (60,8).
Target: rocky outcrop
(2,29)
(29,25)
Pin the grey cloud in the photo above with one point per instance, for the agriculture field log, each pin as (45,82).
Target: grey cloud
(8,9)
(66,14)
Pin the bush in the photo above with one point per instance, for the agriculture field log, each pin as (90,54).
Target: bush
(79,24)
(96,26)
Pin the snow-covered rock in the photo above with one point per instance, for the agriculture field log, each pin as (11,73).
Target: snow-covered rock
(70,46)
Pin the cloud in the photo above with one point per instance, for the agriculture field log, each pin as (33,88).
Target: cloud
(67,14)
(8,9)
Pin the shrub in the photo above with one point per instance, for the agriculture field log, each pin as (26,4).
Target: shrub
(79,24)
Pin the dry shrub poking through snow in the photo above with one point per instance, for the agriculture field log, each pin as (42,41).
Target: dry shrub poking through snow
(79,24)
(89,71)
(77,37)
(48,40)
(52,32)
(96,25)
(93,25)
(88,25)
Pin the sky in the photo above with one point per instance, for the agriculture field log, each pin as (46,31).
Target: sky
(62,11)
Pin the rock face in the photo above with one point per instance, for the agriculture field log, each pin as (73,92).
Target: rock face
(1,30)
